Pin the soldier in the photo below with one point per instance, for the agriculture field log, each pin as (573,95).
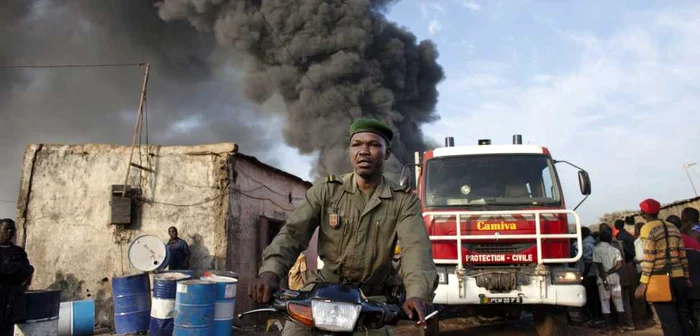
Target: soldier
(360,216)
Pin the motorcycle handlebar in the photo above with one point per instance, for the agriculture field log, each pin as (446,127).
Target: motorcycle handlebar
(376,314)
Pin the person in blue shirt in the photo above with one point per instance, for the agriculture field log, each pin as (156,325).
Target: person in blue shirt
(179,251)
(590,276)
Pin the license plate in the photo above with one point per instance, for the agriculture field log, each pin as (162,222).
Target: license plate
(502,300)
(442,278)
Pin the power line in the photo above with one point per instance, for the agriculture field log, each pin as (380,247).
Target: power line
(263,185)
(4,201)
(263,199)
(36,66)
(686,166)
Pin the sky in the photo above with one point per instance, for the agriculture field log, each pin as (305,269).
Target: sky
(611,86)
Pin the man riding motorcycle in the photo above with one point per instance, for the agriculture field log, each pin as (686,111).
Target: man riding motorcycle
(360,216)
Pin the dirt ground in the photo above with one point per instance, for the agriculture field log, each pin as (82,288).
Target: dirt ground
(464,326)
(460,326)
(456,326)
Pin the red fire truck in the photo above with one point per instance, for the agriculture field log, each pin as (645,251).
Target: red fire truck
(500,230)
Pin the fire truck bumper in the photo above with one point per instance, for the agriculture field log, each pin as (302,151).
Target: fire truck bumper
(539,291)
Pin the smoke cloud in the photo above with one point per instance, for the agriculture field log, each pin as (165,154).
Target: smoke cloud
(331,62)
(207,84)
(193,92)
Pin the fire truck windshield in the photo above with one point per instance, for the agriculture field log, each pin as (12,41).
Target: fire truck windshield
(507,179)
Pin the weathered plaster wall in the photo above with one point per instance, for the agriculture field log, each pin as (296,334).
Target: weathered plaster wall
(260,198)
(64,212)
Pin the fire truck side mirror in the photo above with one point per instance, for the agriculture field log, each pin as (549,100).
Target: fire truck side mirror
(584,182)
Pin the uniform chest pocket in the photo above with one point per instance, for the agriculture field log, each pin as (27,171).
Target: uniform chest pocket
(384,225)
(383,235)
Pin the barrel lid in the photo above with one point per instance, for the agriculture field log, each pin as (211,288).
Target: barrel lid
(130,275)
(43,291)
(218,278)
(147,253)
(195,282)
(228,274)
(172,276)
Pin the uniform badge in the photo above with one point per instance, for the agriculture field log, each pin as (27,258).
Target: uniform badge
(334,220)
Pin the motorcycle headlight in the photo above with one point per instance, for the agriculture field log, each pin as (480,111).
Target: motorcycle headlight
(335,316)
(566,276)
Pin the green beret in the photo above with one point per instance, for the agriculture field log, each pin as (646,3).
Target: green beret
(373,126)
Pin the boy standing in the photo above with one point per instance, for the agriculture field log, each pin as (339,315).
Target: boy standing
(608,259)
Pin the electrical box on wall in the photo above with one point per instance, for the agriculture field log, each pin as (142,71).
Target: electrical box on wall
(123,207)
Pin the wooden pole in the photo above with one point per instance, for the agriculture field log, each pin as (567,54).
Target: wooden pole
(136,126)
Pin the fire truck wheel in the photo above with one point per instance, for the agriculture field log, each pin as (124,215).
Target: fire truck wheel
(550,323)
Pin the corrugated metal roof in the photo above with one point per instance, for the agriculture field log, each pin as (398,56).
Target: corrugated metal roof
(680,202)
(257,162)
(664,206)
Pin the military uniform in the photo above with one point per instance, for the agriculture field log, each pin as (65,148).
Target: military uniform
(357,237)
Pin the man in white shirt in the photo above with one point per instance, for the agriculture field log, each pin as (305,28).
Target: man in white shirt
(638,250)
(608,260)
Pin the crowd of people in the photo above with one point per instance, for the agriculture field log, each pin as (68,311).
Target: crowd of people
(619,266)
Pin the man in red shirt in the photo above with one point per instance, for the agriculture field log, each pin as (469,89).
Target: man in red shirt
(691,229)
(691,218)
(689,242)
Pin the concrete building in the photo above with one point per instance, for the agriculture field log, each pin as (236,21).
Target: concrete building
(77,229)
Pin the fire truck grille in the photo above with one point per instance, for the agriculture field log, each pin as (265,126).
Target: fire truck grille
(497,248)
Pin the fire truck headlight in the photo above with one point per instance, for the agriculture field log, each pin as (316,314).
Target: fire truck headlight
(566,276)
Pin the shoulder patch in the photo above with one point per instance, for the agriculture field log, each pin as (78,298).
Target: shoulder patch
(334,179)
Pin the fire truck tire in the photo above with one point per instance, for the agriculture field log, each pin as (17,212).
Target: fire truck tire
(550,323)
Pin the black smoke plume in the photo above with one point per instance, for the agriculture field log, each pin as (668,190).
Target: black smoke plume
(192,95)
(331,61)
(347,61)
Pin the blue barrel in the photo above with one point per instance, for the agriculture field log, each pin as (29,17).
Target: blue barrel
(77,318)
(43,304)
(163,302)
(83,317)
(132,303)
(225,302)
(43,309)
(195,308)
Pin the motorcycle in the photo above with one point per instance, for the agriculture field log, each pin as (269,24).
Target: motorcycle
(335,309)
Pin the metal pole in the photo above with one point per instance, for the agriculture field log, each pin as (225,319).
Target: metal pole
(686,166)
(136,126)
(416,160)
